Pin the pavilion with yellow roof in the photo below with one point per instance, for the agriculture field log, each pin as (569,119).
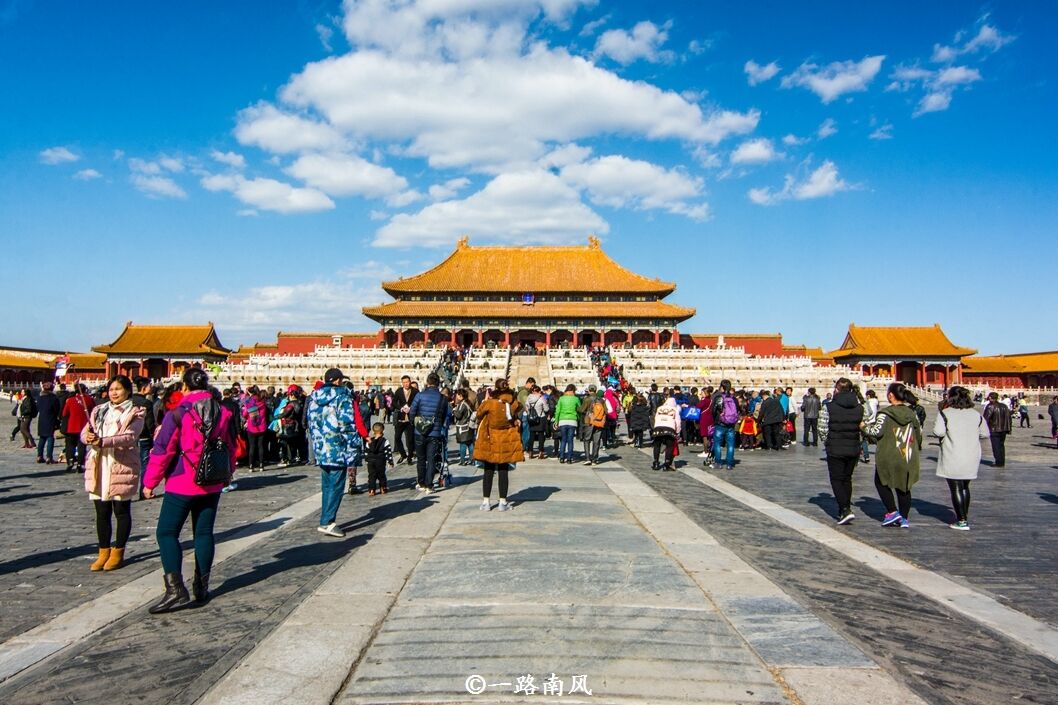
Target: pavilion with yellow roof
(540,296)
(912,355)
(161,351)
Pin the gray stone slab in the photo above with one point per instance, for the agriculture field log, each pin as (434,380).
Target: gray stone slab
(785,634)
(551,510)
(827,686)
(524,533)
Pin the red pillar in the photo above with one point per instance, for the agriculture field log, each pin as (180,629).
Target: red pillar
(573,342)
(453,338)
(657,339)
(481,338)
(547,339)
(400,337)
(507,338)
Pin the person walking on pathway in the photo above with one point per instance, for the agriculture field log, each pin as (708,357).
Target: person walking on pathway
(112,469)
(1052,411)
(338,442)
(566,417)
(725,419)
(998,417)
(198,426)
(255,415)
(25,411)
(465,426)
(666,429)
(499,441)
(810,409)
(403,433)
(75,412)
(870,414)
(378,453)
(639,418)
(839,427)
(431,415)
(48,412)
(899,438)
(771,420)
(960,429)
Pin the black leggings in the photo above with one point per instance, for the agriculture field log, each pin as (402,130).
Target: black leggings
(841,470)
(123,512)
(903,499)
(486,485)
(960,498)
(669,444)
(255,449)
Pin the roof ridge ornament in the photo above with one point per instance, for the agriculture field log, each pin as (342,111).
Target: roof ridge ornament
(463,242)
(593,242)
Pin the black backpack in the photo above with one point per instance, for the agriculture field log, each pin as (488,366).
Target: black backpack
(214,466)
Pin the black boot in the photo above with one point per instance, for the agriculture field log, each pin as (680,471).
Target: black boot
(175,595)
(200,587)
(655,465)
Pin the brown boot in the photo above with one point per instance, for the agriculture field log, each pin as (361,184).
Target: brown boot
(104,555)
(116,560)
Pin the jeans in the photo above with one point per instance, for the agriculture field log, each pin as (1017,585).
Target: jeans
(724,435)
(175,508)
(841,470)
(999,451)
(332,483)
(811,427)
(46,443)
(565,447)
(466,453)
(525,432)
(866,450)
(428,449)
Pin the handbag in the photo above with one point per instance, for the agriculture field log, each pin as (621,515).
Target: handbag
(424,425)
(214,465)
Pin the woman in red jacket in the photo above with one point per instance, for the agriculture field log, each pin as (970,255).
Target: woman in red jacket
(75,413)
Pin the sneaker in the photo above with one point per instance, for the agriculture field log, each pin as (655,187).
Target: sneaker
(370,493)
(230,487)
(711,464)
(892,518)
(959,526)
(846,517)
(905,524)
(331,530)
(504,506)
(588,462)
(485,505)
(704,455)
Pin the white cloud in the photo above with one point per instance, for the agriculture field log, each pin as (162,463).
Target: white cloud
(325,303)
(118,154)
(232,159)
(347,175)
(884,132)
(824,181)
(758,151)
(57,155)
(699,46)
(591,27)
(939,86)
(87,175)
(265,126)
(956,76)
(324,33)
(565,155)
(827,128)
(171,163)
(934,102)
(246,212)
(988,39)
(157,186)
(792,140)
(755,73)
(269,194)
(442,192)
(621,182)
(524,207)
(644,42)
(837,78)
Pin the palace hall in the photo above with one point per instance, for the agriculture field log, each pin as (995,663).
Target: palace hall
(503,296)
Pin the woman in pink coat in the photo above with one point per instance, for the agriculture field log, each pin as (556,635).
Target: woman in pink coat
(112,468)
(255,414)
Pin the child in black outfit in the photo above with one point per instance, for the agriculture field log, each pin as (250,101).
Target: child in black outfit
(379,454)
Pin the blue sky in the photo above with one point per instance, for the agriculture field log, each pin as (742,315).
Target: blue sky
(266,165)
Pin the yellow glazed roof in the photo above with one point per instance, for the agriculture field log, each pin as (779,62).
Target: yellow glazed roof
(151,340)
(557,309)
(927,341)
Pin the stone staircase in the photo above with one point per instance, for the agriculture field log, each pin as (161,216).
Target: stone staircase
(524,366)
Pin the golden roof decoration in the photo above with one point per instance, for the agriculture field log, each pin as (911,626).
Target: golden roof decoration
(1014,364)
(165,340)
(898,341)
(534,269)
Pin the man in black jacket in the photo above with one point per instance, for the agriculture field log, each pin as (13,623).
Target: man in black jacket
(1052,411)
(771,420)
(404,434)
(810,408)
(840,431)
(997,416)
(142,399)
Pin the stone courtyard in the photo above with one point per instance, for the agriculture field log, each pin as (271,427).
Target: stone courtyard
(613,584)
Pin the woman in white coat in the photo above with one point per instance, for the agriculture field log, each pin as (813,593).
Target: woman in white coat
(960,428)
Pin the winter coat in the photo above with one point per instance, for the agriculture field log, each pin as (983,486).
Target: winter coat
(668,416)
(613,406)
(638,417)
(771,412)
(178,446)
(960,432)
(255,414)
(431,404)
(566,408)
(538,404)
(335,427)
(48,411)
(124,444)
(998,417)
(706,422)
(462,416)
(75,411)
(499,440)
(810,406)
(841,427)
(899,438)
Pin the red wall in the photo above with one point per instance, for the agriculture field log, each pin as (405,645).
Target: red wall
(754,344)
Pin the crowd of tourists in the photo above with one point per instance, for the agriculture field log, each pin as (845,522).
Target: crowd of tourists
(130,437)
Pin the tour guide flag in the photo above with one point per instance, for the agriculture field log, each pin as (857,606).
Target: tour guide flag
(62,363)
